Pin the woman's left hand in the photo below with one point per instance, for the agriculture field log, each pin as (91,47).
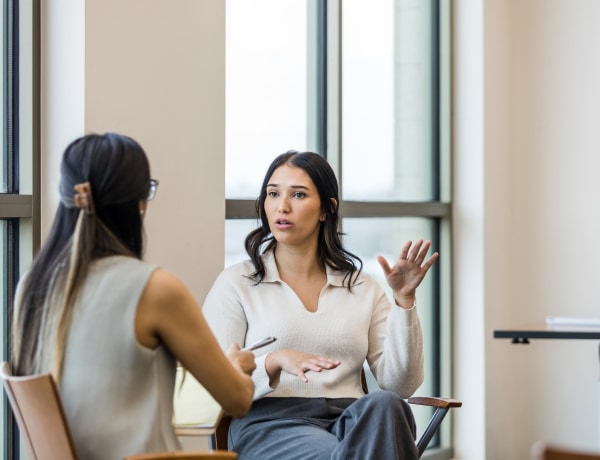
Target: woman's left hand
(241,359)
(408,272)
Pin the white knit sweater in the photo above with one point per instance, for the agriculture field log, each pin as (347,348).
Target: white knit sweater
(348,326)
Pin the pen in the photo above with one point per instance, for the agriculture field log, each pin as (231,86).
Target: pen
(259,344)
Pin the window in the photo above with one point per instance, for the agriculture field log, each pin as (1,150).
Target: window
(19,211)
(266,61)
(366,84)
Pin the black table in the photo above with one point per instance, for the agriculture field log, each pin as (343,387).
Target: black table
(522,334)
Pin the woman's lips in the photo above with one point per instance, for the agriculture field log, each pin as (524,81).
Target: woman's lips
(283,224)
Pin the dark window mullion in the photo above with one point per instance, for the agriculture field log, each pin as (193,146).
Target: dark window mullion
(11,238)
(436,194)
(321,83)
(435,99)
(11,244)
(11,94)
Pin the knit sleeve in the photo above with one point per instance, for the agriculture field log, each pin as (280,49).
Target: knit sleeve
(224,312)
(396,348)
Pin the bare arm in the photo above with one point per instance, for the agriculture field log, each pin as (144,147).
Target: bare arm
(168,313)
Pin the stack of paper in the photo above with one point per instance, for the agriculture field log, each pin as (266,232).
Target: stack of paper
(583,321)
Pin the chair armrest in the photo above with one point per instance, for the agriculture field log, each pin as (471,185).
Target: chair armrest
(442,406)
(195,430)
(434,402)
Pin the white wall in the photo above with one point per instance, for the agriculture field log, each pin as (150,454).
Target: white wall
(62,92)
(527,123)
(154,70)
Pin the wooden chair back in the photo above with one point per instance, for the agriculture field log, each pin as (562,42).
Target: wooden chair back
(38,409)
(543,451)
(39,413)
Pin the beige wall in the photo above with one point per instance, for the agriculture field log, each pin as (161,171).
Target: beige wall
(527,123)
(153,70)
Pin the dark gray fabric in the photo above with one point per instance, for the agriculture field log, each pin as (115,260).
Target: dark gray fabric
(377,426)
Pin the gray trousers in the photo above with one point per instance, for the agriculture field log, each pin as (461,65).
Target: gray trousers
(378,426)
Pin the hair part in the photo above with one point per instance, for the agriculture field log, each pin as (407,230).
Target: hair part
(330,249)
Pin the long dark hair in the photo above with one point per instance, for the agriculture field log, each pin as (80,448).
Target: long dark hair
(118,173)
(330,249)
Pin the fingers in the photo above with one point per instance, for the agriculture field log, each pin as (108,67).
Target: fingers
(233,347)
(299,363)
(384,265)
(302,376)
(431,260)
(243,360)
(413,253)
(315,365)
(404,253)
(417,252)
(320,363)
(248,363)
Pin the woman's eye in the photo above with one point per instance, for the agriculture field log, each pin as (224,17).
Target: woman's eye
(271,193)
(299,195)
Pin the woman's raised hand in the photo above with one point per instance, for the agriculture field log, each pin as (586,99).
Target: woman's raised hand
(408,271)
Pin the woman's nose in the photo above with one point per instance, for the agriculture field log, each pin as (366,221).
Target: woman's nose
(284,205)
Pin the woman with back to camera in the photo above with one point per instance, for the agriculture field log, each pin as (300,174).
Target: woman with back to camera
(301,286)
(109,326)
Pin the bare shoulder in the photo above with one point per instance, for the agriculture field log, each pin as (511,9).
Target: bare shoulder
(164,288)
(165,305)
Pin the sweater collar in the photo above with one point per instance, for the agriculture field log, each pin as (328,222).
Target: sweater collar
(334,277)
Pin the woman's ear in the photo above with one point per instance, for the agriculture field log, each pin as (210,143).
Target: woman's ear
(334,205)
(332,208)
(143,205)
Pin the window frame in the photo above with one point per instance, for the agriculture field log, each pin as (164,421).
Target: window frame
(325,134)
(15,206)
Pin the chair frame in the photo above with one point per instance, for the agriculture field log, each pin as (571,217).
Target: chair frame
(35,389)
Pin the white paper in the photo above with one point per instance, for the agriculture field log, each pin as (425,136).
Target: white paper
(590,321)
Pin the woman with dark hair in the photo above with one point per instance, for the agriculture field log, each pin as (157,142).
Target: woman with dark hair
(109,326)
(301,286)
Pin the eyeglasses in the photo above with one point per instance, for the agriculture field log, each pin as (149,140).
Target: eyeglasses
(152,191)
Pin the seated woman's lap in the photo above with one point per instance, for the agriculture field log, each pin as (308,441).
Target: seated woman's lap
(290,428)
(315,428)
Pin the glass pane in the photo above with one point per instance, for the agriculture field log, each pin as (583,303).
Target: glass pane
(3,256)
(235,235)
(25,245)
(386,100)
(3,158)
(369,238)
(266,88)
(26,135)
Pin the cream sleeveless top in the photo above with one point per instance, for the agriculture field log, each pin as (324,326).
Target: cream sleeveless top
(117,394)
